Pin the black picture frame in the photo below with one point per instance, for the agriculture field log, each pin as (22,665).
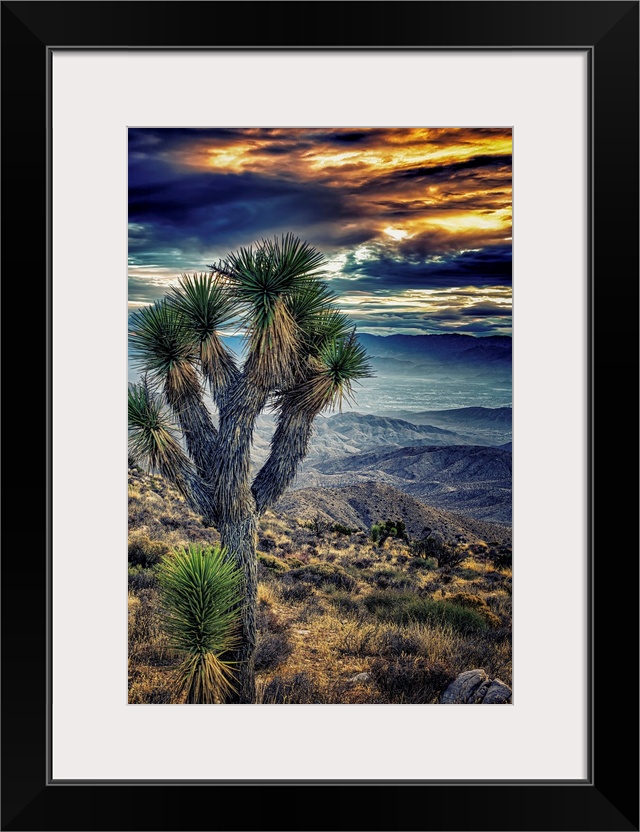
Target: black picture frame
(608,798)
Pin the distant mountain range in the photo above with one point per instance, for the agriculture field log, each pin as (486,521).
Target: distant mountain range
(468,347)
(478,417)
(345,434)
(464,468)
(451,355)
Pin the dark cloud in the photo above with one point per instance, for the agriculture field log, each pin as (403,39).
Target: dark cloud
(215,212)
(354,136)
(186,209)
(487,310)
(166,139)
(476,162)
(486,267)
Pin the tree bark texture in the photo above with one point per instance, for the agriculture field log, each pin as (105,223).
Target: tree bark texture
(240,538)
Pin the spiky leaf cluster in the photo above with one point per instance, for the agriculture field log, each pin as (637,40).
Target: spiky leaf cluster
(275,285)
(200,593)
(204,306)
(153,437)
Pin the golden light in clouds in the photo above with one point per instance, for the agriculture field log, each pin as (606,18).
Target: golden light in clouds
(390,208)
(455,181)
(472,220)
(389,149)
(406,151)
(396,233)
(233,158)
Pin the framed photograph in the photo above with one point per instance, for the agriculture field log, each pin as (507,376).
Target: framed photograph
(392,148)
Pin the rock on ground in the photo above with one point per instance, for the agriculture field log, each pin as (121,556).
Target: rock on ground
(474,687)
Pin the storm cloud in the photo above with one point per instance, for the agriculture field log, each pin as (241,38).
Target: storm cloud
(394,211)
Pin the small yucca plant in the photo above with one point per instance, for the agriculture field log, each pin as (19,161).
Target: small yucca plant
(201,591)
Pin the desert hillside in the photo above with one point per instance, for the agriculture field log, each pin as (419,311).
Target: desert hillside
(360,506)
(473,480)
(356,604)
(456,460)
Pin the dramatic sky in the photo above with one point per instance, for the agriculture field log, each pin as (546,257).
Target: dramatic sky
(415,223)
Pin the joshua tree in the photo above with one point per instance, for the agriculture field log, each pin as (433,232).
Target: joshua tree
(301,357)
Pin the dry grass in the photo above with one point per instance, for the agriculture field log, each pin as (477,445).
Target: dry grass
(340,620)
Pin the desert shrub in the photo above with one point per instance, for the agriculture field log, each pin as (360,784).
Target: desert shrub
(362,563)
(273,649)
(148,685)
(345,602)
(298,591)
(477,603)
(410,679)
(379,602)
(302,689)
(297,689)
(324,573)
(358,639)
(144,623)
(407,607)
(318,524)
(423,563)
(268,620)
(340,528)
(143,551)
(443,614)
(390,528)
(501,556)
(266,542)
(433,545)
(142,578)
(385,576)
(171,521)
(395,641)
(311,608)
(273,563)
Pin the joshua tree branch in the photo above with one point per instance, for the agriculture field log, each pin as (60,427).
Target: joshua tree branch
(289,447)
(199,433)
(241,406)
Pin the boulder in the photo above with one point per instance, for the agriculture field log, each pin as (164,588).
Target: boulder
(466,687)
(360,677)
(497,694)
(474,687)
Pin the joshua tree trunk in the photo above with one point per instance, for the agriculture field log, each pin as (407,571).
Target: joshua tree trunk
(238,518)
(240,538)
